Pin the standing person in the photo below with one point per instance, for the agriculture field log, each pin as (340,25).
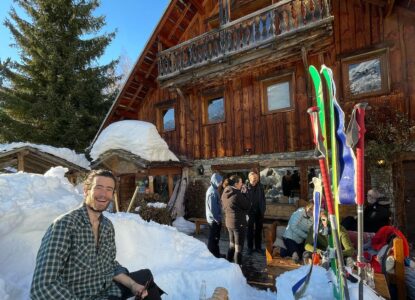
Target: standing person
(214,213)
(256,197)
(286,184)
(296,232)
(236,206)
(76,258)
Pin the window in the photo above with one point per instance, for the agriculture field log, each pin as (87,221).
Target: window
(168,119)
(365,74)
(277,94)
(214,110)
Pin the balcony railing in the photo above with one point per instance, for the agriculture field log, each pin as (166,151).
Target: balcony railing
(252,31)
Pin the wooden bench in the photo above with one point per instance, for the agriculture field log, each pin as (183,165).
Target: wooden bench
(198,222)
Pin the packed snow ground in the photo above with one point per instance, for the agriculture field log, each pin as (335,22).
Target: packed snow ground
(65,153)
(138,137)
(30,202)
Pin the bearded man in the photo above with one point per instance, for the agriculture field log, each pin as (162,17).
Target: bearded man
(76,259)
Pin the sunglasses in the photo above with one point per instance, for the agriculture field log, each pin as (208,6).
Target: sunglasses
(323,219)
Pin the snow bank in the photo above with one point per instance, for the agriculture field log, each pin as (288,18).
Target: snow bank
(65,153)
(184,226)
(138,137)
(30,202)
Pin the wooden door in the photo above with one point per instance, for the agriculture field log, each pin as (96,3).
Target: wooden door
(409,199)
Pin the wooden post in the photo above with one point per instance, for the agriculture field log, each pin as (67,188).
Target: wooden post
(20,161)
(151,184)
(133,199)
(399,267)
(117,207)
(170,184)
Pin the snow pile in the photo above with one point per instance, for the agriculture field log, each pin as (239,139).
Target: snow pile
(184,226)
(157,204)
(65,153)
(320,285)
(138,137)
(30,202)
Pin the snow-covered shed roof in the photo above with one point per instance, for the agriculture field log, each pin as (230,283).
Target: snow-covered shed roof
(137,137)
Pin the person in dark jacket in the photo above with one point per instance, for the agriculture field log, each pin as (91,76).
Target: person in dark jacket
(377,212)
(256,197)
(236,206)
(214,214)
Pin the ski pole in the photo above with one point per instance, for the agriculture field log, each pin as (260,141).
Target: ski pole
(360,172)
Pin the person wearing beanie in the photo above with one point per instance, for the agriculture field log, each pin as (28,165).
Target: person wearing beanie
(214,214)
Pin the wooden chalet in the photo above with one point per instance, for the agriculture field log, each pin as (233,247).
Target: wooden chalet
(32,160)
(226,81)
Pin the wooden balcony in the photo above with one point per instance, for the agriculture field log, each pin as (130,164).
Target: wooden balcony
(269,32)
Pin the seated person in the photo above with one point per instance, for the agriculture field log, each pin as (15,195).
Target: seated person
(323,240)
(296,232)
(377,212)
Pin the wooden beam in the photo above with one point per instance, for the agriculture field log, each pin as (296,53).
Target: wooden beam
(144,80)
(165,41)
(198,6)
(20,161)
(179,21)
(126,114)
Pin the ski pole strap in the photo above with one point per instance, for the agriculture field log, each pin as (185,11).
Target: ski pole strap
(317,206)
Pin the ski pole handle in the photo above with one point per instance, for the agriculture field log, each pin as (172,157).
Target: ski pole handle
(360,150)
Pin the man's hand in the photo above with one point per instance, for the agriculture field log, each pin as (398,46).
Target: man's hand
(138,290)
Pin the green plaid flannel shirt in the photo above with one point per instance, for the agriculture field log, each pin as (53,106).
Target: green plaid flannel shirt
(69,265)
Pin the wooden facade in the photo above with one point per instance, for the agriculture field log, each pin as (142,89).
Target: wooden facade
(184,63)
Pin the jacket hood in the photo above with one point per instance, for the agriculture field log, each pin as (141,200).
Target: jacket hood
(215,180)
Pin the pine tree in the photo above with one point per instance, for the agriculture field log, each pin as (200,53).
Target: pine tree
(57,94)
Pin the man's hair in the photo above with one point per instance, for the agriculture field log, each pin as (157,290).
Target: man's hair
(100,172)
(234,179)
(252,173)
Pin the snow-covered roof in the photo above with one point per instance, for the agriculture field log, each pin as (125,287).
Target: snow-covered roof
(138,137)
(64,153)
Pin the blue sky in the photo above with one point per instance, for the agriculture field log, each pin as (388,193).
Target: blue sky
(134,20)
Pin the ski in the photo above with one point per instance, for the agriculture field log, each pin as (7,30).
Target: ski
(321,152)
(318,89)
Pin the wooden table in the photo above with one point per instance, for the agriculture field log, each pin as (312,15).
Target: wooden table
(198,222)
(381,286)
